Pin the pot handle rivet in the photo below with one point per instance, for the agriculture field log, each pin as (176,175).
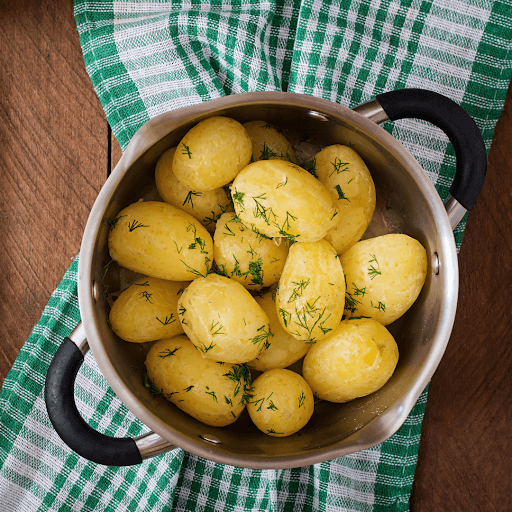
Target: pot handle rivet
(210,439)
(317,115)
(436,264)
(95,291)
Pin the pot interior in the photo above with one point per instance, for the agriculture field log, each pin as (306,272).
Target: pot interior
(409,204)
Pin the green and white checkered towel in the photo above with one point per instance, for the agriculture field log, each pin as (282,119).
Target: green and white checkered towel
(145,58)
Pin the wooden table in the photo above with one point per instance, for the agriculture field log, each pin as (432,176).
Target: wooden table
(56,152)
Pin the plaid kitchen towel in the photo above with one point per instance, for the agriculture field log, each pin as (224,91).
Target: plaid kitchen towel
(146,58)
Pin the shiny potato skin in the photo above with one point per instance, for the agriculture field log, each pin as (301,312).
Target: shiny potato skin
(268,142)
(160,240)
(223,320)
(206,207)
(311,292)
(354,360)
(211,154)
(283,349)
(147,310)
(384,276)
(282,403)
(246,256)
(280,199)
(213,393)
(350,183)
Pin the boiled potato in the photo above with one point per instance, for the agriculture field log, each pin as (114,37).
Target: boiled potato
(160,240)
(211,154)
(350,183)
(213,393)
(223,320)
(268,143)
(311,292)
(206,207)
(282,403)
(283,349)
(245,255)
(384,276)
(280,199)
(148,310)
(355,359)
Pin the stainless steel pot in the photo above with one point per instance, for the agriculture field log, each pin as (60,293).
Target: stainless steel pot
(421,334)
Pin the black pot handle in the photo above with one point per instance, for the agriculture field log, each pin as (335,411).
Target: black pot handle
(67,421)
(458,125)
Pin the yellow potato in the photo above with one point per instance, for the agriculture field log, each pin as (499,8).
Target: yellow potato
(148,310)
(223,320)
(211,154)
(283,349)
(160,240)
(281,199)
(213,393)
(311,292)
(350,183)
(384,276)
(355,359)
(206,207)
(282,403)
(245,255)
(268,143)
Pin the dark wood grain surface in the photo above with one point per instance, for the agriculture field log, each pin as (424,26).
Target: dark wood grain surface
(54,157)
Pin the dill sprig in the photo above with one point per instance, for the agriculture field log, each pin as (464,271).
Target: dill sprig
(300,286)
(168,352)
(189,199)
(341,194)
(339,166)
(240,374)
(136,224)
(263,336)
(212,394)
(372,271)
(146,295)
(113,222)
(302,398)
(380,306)
(215,329)
(185,150)
(168,320)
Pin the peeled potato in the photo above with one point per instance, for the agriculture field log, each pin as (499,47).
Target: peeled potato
(280,199)
(355,359)
(211,154)
(246,256)
(282,403)
(223,320)
(311,292)
(384,276)
(147,310)
(268,143)
(283,349)
(206,207)
(213,393)
(160,240)
(350,183)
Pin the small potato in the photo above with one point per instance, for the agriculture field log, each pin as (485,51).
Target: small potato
(223,320)
(211,154)
(147,310)
(283,349)
(384,276)
(350,183)
(268,143)
(206,207)
(282,403)
(246,256)
(160,240)
(311,292)
(280,199)
(213,393)
(355,359)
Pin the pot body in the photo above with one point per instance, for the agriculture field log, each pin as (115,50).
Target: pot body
(421,334)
